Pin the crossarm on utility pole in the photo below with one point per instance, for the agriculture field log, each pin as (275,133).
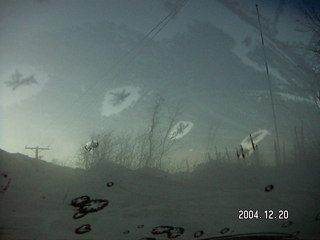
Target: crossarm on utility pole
(37,150)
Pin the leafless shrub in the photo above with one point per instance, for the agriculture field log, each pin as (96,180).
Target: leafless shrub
(85,159)
(311,21)
(144,150)
(159,145)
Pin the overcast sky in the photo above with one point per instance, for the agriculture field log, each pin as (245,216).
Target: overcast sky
(28,17)
(21,22)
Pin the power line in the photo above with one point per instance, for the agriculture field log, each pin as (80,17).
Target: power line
(160,27)
(148,37)
(270,88)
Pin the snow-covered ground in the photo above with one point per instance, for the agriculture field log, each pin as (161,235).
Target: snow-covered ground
(36,198)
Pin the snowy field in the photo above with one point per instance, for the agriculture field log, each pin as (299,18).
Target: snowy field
(149,204)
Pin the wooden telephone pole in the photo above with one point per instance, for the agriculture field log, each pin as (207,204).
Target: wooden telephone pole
(276,142)
(37,150)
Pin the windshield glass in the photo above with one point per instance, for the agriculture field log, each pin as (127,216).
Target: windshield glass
(154,119)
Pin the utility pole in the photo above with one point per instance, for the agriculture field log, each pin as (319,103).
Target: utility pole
(277,142)
(37,150)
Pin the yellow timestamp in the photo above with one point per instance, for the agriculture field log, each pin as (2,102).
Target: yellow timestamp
(265,214)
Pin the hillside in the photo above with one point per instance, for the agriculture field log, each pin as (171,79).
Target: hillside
(36,196)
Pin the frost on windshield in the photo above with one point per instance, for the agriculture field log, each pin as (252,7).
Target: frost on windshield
(318,99)
(16,80)
(4,182)
(180,130)
(20,83)
(119,99)
(91,145)
(250,143)
(86,205)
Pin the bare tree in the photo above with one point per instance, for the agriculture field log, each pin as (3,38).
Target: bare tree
(89,159)
(85,159)
(145,150)
(158,142)
(151,134)
(311,20)
(167,144)
(311,23)
(141,149)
